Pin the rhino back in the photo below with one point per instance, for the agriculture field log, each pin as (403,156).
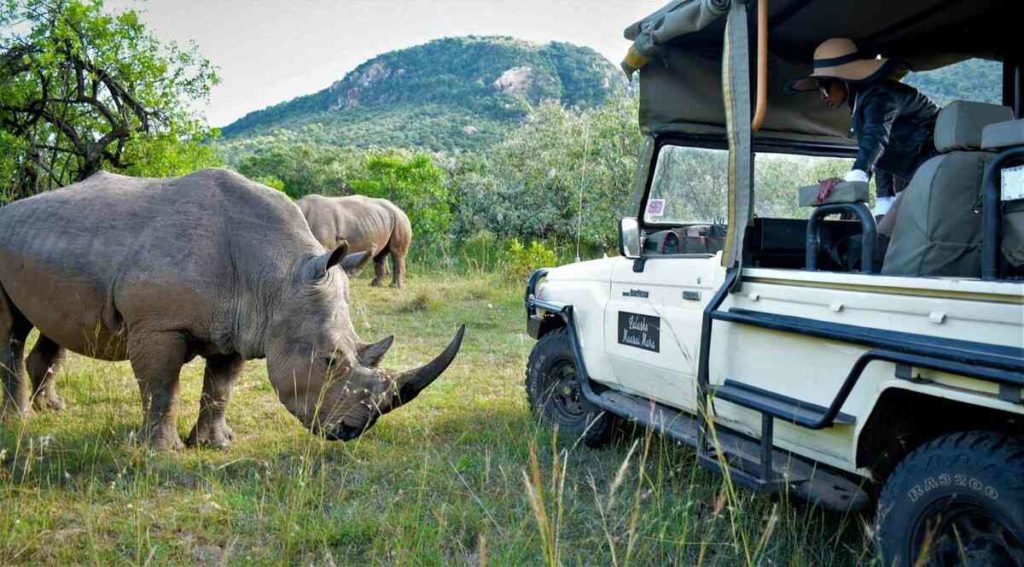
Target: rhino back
(170,254)
(363,222)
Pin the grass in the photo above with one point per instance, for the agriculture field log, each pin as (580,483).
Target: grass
(463,475)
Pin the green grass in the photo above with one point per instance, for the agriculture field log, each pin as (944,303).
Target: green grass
(463,475)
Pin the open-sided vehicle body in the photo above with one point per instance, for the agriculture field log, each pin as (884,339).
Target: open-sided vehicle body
(797,353)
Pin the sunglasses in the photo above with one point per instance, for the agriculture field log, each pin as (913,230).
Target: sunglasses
(824,89)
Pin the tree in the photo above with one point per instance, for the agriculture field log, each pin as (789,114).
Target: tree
(82,90)
(304,169)
(530,186)
(417,185)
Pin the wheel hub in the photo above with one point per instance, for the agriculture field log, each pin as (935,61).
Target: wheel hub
(966,534)
(565,392)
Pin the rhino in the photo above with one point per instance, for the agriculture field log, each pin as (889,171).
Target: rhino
(367,224)
(159,271)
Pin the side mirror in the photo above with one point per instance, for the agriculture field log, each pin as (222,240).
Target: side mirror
(629,237)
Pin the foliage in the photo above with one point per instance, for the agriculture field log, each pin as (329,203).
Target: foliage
(414,183)
(81,90)
(973,79)
(523,260)
(304,169)
(531,186)
(434,127)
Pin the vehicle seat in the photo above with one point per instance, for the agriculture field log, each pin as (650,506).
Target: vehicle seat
(938,228)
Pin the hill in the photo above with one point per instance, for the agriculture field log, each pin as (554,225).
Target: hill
(451,93)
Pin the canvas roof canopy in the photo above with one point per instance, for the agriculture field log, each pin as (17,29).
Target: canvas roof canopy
(679,52)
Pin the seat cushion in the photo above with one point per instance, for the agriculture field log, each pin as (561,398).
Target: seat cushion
(937,231)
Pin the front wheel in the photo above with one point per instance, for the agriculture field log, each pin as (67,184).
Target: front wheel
(553,390)
(957,500)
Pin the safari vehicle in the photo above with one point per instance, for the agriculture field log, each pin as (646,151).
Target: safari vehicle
(791,352)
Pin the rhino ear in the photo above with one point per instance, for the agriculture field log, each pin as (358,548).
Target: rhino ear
(318,266)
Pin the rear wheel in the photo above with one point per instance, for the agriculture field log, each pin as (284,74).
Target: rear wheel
(958,500)
(552,386)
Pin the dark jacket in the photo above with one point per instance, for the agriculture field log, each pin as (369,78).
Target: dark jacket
(894,126)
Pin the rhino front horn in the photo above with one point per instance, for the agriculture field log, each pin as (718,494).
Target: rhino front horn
(412,382)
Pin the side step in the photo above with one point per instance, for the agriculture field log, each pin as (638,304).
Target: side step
(749,462)
(792,410)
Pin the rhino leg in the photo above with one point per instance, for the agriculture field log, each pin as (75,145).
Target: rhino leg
(211,428)
(157,359)
(14,329)
(380,269)
(398,263)
(43,363)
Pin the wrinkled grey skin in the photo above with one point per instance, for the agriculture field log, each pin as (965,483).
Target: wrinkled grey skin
(365,223)
(159,271)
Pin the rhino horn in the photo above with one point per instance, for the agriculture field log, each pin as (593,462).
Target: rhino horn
(355,262)
(370,354)
(318,266)
(412,382)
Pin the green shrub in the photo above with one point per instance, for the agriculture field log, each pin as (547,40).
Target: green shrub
(523,260)
(481,251)
(416,184)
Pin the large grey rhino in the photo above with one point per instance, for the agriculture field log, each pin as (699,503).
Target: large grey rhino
(158,271)
(367,224)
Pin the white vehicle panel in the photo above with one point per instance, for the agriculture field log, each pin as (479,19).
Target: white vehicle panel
(669,294)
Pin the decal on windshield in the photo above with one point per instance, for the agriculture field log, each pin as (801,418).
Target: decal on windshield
(639,331)
(655,207)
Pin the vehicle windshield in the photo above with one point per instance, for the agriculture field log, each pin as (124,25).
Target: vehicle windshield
(690,185)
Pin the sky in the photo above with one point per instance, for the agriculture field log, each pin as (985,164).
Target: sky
(270,51)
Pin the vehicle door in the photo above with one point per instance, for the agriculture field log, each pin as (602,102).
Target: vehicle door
(653,316)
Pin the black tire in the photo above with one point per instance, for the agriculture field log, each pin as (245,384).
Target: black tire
(552,387)
(957,500)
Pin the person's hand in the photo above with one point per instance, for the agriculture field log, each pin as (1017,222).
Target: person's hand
(825,186)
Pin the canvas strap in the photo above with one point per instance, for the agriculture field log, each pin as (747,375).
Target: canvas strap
(736,95)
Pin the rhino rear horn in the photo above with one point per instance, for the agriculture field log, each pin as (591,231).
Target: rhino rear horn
(369,355)
(412,382)
(354,262)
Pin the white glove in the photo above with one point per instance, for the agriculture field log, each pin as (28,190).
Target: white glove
(856,175)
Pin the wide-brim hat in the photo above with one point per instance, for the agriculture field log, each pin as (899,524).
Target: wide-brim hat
(839,58)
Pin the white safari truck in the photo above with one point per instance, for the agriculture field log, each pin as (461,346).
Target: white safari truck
(800,349)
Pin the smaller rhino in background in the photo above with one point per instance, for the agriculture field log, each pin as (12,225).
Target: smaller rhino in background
(375,225)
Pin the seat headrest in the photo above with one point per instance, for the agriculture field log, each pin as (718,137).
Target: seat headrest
(959,124)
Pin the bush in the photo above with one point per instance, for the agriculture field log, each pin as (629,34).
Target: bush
(417,185)
(523,260)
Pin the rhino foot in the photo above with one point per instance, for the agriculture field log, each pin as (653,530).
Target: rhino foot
(51,402)
(166,443)
(376,283)
(162,439)
(210,435)
(396,285)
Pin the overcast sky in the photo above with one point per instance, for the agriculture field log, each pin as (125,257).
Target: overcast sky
(269,51)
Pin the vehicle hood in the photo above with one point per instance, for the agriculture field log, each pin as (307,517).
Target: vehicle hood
(599,270)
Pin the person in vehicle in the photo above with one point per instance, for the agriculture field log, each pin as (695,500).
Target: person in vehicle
(893,122)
